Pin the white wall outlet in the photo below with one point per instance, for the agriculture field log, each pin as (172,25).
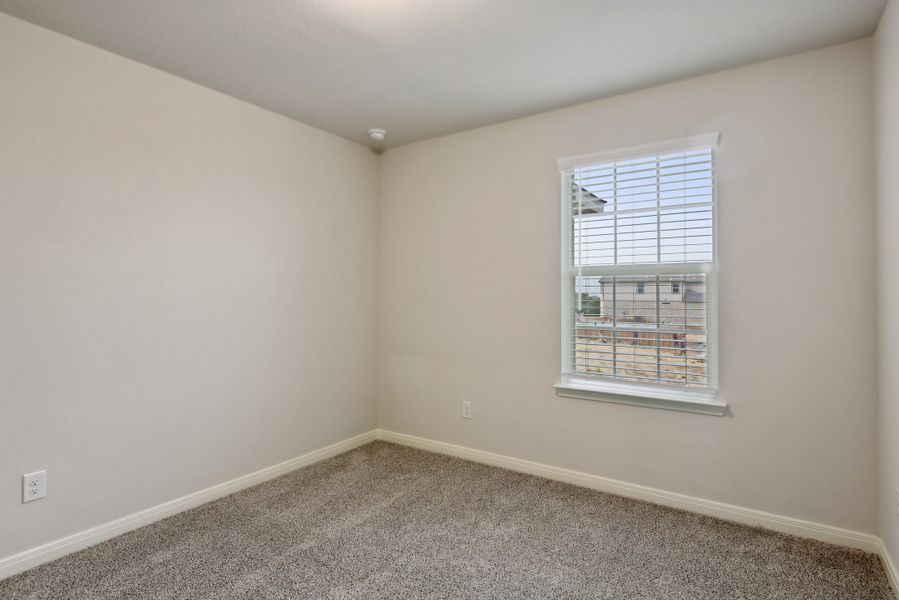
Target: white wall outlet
(466,409)
(34,486)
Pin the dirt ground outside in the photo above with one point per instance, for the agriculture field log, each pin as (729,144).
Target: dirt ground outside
(635,359)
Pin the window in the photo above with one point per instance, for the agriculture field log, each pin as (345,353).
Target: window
(636,224)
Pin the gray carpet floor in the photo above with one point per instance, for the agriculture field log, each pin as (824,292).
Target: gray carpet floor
(384,521)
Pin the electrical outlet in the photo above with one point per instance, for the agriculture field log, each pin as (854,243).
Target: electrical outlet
(466,409)
(34,486)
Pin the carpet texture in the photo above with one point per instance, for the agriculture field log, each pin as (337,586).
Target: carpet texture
(385,521)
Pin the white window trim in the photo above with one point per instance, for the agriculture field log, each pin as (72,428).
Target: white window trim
(570,385)
(650,395)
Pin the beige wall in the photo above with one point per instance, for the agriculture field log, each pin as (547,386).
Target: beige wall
(469,291)
(887,114)
(186,284)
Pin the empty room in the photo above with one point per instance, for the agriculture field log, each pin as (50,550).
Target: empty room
(456,299)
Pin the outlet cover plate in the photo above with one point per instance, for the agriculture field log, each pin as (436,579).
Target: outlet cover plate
(34,486)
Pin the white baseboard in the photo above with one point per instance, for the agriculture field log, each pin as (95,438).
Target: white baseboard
(729,512)
(47,552)
(890,567)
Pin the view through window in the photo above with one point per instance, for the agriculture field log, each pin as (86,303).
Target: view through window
(641,256)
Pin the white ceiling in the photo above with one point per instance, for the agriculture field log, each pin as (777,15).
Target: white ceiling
(421,68)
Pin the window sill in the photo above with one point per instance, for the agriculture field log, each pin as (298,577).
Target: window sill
(651,396)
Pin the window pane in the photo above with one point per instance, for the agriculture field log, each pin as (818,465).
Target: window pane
(657,335)
(647,211)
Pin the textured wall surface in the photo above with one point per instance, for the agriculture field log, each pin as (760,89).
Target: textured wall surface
(469,291)
(187,286)
(886,49)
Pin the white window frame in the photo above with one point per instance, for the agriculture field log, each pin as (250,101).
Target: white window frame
(573,385)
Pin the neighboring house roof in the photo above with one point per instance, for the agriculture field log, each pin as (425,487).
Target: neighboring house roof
(590,202)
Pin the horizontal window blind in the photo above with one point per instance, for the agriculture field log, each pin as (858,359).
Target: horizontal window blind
(644,211)
(641,253)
